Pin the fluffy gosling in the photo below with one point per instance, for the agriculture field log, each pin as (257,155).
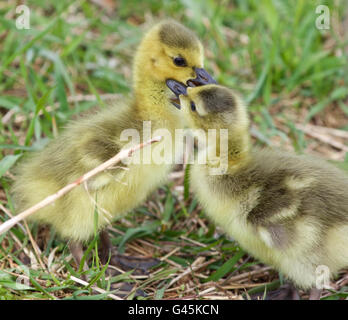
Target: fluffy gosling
(289,211)
(168,52)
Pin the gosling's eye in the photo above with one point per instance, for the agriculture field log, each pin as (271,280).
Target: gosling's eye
(180,62)
(193,106)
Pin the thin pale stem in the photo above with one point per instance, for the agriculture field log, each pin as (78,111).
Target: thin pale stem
(123,154)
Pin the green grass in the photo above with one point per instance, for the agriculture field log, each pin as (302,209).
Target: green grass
(289,72)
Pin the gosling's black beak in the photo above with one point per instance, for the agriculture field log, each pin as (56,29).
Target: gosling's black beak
(202,78)
(177,88)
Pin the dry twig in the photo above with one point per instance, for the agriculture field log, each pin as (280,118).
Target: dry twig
(123,154)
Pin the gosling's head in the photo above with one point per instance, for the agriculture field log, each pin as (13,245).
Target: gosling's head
(214,107)
(170,51)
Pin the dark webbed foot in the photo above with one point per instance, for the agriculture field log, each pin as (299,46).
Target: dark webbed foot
(141,265)
(285,292)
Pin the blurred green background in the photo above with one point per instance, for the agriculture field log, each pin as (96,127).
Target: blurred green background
(271,51)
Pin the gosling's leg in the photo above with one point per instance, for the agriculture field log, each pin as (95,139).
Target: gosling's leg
(76,250)
(141,265)
(315,294)
(105,248)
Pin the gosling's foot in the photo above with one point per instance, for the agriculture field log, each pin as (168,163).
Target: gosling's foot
(285,292)
(119,263)
(140,265)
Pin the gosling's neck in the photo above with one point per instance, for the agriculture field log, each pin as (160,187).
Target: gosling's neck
(239,151)
(232,152)
(152,103)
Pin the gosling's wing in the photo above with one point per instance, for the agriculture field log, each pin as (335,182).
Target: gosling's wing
(299,196)
(83,145)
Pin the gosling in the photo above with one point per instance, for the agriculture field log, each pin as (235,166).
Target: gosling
(289,211)
(168,52)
